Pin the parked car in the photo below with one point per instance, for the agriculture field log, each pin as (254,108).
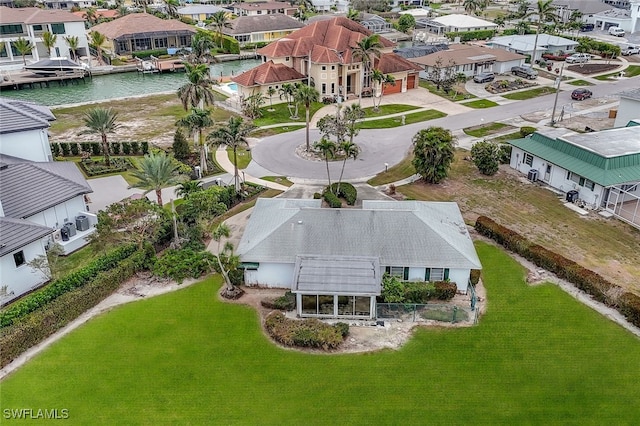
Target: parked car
(484,77)
(581,94)
(526,72)
(616,31)
(577,58)
(631,50)
(587,27)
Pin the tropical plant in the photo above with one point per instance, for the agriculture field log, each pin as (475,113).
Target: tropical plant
(225,255)
(306,95)
(186,188)
(101,121)
(334,125)
(351,114)
(180,145)
(74,44)
(197,91)
(251,105)
(288,91)
(522,27)
(270,92)
(220,21)
(500,21)
(201,45)
(353,14)
(365,51)
(91,15)
(196,121)
(233,134)
(406,22)
(24,47)
(433,150)
(156,171)
(301,14)
(545,11)
(349,150)
(96,41)
(380,79)
(486,157)
(475,6)
(171,6)
(328,149)
(49,40)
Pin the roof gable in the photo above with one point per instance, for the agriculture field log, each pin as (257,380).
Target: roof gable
(17,233)
(140,23)
(266,73)
(392,62)
(262,23)
(34,15)
(18,116)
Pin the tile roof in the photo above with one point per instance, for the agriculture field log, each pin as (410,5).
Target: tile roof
(100,13)
(266,73)
(16,233)
(463,54)
(17,116)
(419,234)
(140,23)
(262,23)
(34,15)
(270,5)
(29,187)
(340,34)
(392,62)
(462,21)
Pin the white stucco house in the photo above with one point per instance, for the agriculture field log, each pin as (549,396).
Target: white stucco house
(628,20)
(454,23)
(334,259)
(602,167)
(629,108)
(41,201)
(524,44)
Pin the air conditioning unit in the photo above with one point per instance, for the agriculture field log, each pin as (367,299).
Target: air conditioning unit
(532,175)
(56,236)
(82,222)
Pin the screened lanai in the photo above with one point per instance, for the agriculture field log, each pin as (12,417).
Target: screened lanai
(128,43)
(336,286)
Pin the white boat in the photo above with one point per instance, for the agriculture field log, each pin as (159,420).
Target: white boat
(56,66)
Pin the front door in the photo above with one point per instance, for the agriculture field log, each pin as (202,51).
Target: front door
(547,173)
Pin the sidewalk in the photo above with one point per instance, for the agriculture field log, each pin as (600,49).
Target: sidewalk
(222,158)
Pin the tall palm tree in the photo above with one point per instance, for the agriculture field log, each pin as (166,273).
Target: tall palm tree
(156,172)
(380,78)
(96,41)
(545,11)
(197,91)
(198,120)
(188,187)
(233,134)
(24,47)
(288,91)
(74,43)
(366,50)
(349,150)
(225,251)
(306,95)
(353,14)
(91,15)
(328,149)
(101,121)
(172,7)
(220,21)
(49,40)
(201,45)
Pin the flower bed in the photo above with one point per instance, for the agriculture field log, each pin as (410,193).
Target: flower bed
(502,86)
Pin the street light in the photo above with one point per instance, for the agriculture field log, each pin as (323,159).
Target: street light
(386,167)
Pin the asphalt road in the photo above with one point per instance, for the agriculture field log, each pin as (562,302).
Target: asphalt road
(277,153)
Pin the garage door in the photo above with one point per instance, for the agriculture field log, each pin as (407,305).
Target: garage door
(411,82)
(389,89)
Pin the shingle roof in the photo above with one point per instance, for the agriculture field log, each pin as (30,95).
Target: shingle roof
(17,116)
(420,234)
(34,15)
(526,42)
(266,73)
(140,23)
(463,54)
(609,157)
(16,233)
(340,34)
(587,7)
(29,188)
(100,13)
(262,23)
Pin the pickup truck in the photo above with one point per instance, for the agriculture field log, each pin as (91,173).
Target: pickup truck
(631,50)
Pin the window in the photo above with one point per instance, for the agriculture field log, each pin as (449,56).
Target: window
(160,42)
(122,46)
(436,274)
(37,27)
(11,29)
(18,258)
(333,88)
(287,59)
(588,184)
(324,68)
(57,28)
(398,271)
(324,88)
(142,44)
(184,40)
(527,159)
(629,187)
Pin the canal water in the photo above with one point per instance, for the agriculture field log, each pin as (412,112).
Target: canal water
(112,86)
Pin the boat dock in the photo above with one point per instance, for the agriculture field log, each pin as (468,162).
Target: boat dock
(155,65)
(27,80)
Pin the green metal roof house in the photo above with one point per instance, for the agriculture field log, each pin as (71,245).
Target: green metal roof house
(603,167)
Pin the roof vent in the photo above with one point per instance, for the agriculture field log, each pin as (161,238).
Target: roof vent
(299,222)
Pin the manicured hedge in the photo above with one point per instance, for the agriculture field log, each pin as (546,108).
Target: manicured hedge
(590,282)
(471,35)
(95,148)
(68,283)
(40,324)
(308,333)
(230,44)
(346,191)
(526,131)
(333,201)
(143,54)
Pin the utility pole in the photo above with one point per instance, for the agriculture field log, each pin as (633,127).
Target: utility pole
(555,102)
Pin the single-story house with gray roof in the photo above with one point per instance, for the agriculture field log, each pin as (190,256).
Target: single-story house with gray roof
(334,259)
(603,167)
(262,28)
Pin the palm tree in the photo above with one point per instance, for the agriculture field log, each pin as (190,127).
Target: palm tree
(226,251)
(172,7)
(91,15)
(328,149)
(156,172)
(545,11)
(353,14)
(522,27)
(381,79)
(198,120)
(351,115)
(271,91)
(187,188)
(220,21)
(471,6)
(233,134)
(366,50)
(49,41)
(433,153)
(97,41)
(306,95)
(349,150)
(201,45)
(23,46)
(74,43)
(197,91)
(101,121)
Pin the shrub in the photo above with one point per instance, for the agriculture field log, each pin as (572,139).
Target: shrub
(333,201)
(148,53)
(445,290)
(630,307)
(486,157)
(230,45)
(135,148)
(346,191)
(68,283)
(310,333)
(115,148)
(96,149)
(75,149)
(475,276)
(392,289)
(180,146)
(85,147)
(55,150)
(144,146)
(287,302)
(418,291)
(526,131)
(183,263)
(504,153)
(126,148)
(343,328)
(317,195)
(471,35)
(66,149)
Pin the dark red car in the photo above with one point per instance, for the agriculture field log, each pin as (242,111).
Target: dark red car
(581,94)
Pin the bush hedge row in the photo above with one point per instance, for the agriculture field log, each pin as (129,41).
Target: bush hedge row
(308,333)
(40,324)
(590,282)
(471,35)
(346,191)
(65,284)
(331,199)
(66,149)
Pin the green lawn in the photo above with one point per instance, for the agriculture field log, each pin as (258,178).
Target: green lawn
(528,94)
(278,179)
(243,155)
(416,117)
(388,109)
(579,83)
(263,133)
(631,71)
(281,114)
(480,103)
(484,130)
(537,357)
(508,137)
(400,171)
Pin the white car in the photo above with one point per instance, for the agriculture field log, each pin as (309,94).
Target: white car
(616,31)
(631,50)
(578,58)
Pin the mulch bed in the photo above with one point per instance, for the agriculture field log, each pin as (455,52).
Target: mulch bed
(588,69)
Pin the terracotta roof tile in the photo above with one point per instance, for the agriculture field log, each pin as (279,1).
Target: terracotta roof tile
(34,15)
(138,23)
(463,54)
(260,23)
(391,62)
(100,13)
(269,72)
